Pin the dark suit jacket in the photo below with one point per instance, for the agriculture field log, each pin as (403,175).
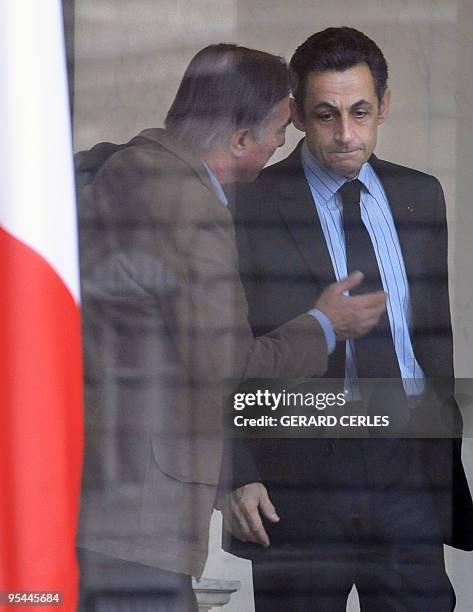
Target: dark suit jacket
(285,265)
(165,332)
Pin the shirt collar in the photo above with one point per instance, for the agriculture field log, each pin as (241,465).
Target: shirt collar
(326,183)
(216,185)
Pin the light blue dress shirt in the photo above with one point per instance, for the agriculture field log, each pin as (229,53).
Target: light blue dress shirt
(216,185)
(324,321)
(377,217)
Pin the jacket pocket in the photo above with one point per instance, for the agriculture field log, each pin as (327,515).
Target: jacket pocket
(191,461)
(178,493)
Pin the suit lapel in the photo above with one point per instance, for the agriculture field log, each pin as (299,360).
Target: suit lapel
(398,192)
(297,209)
(402,195)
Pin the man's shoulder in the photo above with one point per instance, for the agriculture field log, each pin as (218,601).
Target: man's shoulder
(151,153)
(387,169)
(151,163)
(149,177)
(263,194)
(278,172)
(151,147)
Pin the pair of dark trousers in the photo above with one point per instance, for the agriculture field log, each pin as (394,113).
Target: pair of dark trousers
(108,584)
(375,527)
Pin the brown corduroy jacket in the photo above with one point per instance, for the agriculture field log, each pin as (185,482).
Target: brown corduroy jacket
(165,337)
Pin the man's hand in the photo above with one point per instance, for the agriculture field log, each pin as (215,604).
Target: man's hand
(351,316)
(242,511)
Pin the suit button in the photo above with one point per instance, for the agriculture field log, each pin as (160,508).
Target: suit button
(330,448)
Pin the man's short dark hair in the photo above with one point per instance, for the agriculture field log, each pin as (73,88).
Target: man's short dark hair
(226,88)
(338,49)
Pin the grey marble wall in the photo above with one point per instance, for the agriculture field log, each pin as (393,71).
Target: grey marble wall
(130,56)
(463,229)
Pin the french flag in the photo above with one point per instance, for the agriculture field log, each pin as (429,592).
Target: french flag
(41,426)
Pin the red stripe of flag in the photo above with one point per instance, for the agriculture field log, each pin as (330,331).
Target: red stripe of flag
(40,425)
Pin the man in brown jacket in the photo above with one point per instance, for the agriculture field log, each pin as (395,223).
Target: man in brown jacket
(165,325)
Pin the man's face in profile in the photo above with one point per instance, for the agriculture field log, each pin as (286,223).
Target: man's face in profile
(260,150)
(341,118)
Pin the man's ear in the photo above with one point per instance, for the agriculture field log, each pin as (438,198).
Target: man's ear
(383,111)
(240,140)
(296,116)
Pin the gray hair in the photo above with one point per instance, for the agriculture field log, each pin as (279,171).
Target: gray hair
(226,88)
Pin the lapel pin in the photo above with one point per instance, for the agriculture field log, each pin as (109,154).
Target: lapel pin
(410,209)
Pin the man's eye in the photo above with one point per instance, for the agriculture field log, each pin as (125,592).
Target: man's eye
(325,116)
(361,114)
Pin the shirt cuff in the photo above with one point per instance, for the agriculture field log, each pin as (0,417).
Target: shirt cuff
(327,328)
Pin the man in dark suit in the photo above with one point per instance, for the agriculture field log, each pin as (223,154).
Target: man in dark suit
(334,513)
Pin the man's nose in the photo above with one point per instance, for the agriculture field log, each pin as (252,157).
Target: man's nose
(344,130)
